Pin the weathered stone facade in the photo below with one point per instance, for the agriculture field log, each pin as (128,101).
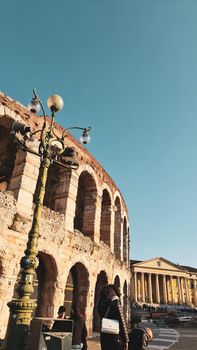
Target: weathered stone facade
(84,230)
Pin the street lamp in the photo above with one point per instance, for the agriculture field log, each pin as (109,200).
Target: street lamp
(51,149)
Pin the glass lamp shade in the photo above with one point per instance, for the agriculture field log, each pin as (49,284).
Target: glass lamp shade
(55,103)
(34,106)
(85,139)
(30,142)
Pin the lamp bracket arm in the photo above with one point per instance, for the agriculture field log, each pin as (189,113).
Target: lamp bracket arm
(36,97)
(75,127)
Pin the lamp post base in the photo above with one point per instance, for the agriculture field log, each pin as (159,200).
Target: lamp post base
(17,334)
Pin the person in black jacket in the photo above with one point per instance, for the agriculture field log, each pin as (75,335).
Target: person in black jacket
(79,330)
(139,338)
(109,303)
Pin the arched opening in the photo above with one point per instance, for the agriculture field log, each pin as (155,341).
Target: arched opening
(7,156)
(117,229)
(51,188)
(117,282)
(44,285)
(105,224)
(76,289)
(85,205)
(125,301)
(100,283)
(125,241)
(46,279)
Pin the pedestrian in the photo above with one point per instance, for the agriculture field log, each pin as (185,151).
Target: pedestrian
(109,307)
(57,325)
(139,338)
(62,312)
(79,329)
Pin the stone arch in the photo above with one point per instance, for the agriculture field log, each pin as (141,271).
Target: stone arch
(87,168)
(105,223)
(8,151)
(117,228)
(86,205)
(45,280)
(117,282)
(77,287)
(46,274)
(101,282)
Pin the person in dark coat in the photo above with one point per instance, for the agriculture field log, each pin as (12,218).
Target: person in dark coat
(139,338)
(109,302)
(79,330)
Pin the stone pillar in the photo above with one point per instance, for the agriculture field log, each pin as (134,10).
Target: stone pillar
(186,291)
(195,293)
(65,201)
(24,180)
(172,292)
(143,289)
(112,229)
(138,287)
(157,289)
(150,294)
(97,219)
(180,297)
(164,290)
(121,240)
(135,286)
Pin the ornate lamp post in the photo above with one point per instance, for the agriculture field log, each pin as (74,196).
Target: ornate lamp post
(51,149)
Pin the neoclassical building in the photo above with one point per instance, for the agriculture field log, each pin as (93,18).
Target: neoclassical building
(84,229)
(161,282)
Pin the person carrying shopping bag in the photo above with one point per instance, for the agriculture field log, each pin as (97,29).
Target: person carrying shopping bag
(114,334)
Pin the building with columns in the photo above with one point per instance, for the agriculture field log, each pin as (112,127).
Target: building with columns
(160,282)
(84,228)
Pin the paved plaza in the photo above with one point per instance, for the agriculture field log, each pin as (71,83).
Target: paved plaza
(165,338)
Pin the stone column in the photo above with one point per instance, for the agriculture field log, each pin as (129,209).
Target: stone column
(150,294)
(171,287)
(164,290)
(180,297)
(186,291)
(121,240)
(183,290)
(112,229)
(143,289)
(135,286)
(138,287)
(157,289)
(195,293)
(24,180)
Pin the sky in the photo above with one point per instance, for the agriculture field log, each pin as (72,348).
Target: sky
(128,68)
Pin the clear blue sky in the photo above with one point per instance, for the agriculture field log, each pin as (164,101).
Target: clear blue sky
(128,68)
